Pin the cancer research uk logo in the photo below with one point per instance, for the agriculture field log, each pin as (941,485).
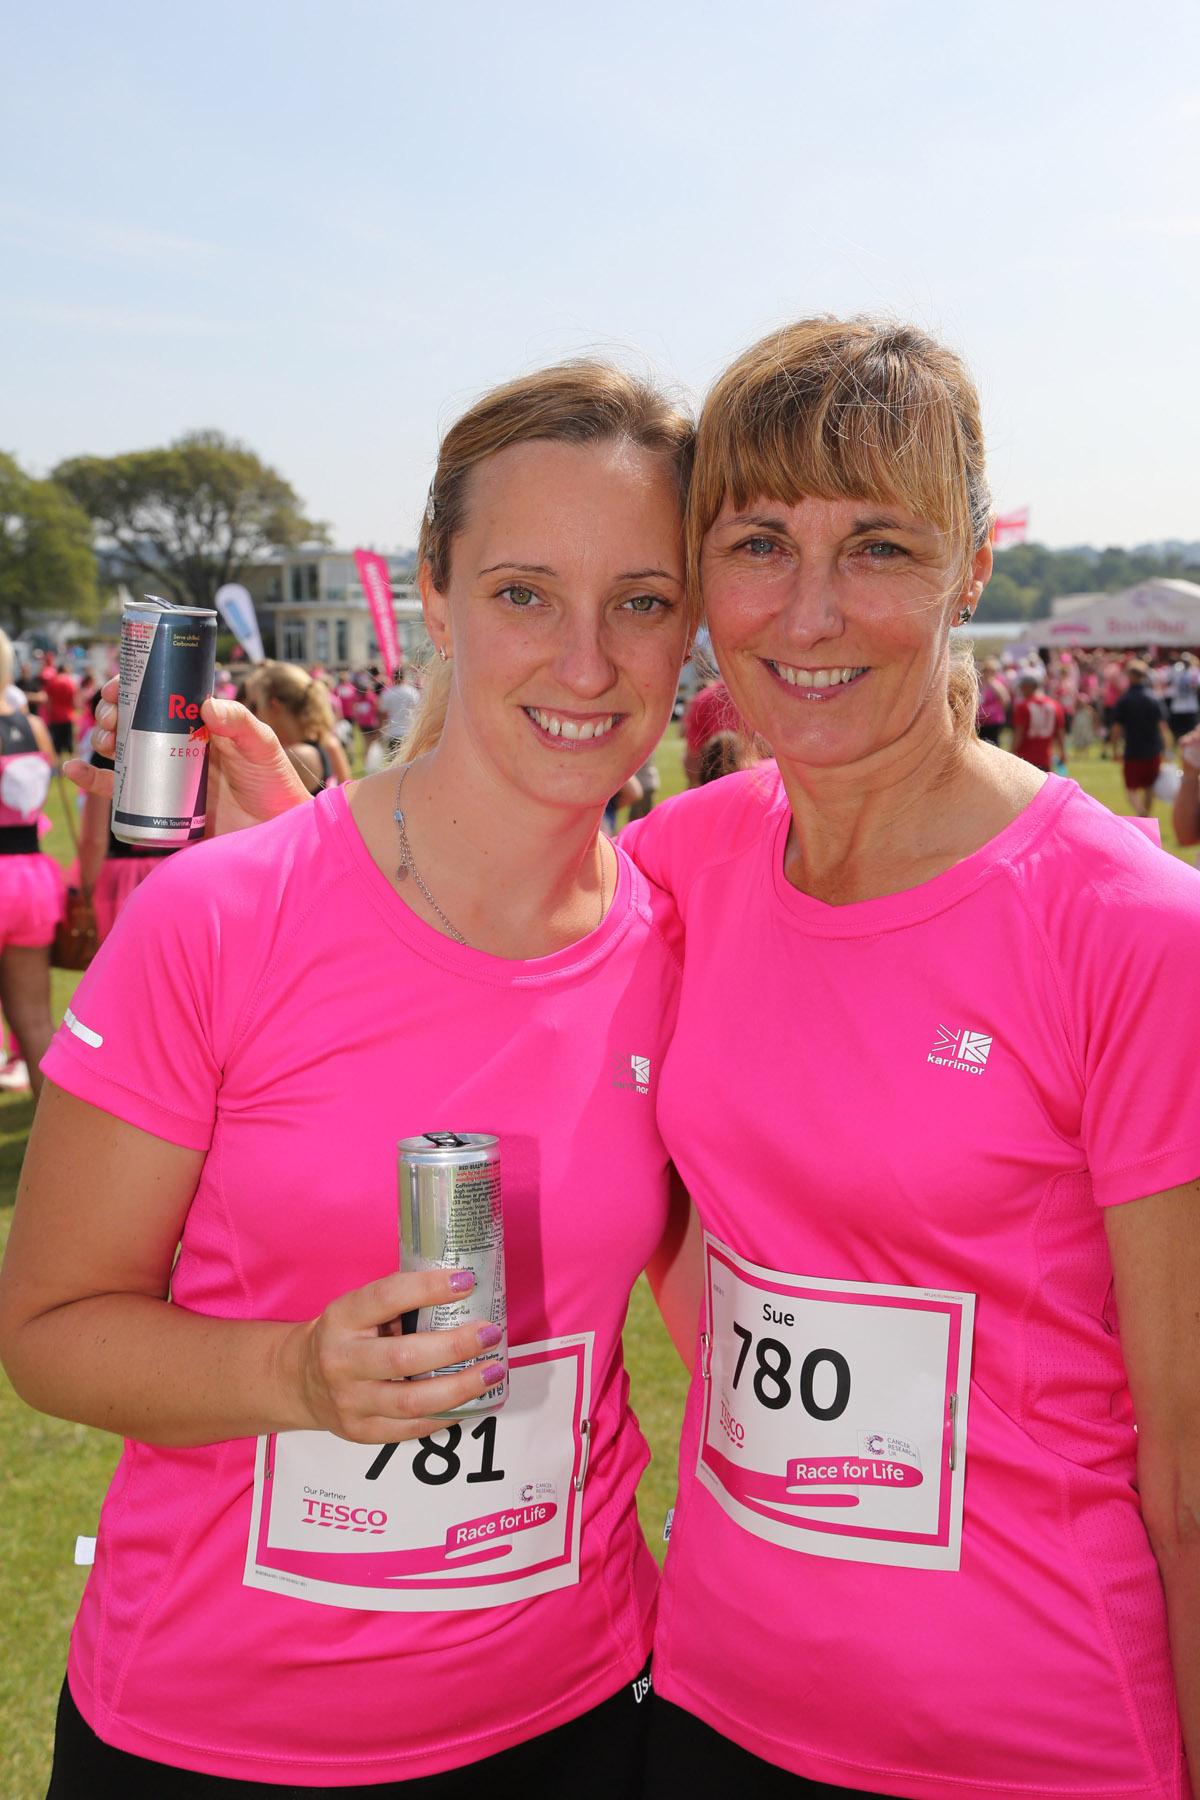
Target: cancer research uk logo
(632,1072)
(966,1051)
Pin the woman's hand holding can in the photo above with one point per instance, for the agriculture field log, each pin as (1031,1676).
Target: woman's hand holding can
(352,1367)
(250,778)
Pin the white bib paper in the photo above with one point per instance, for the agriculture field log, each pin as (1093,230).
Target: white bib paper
(835,1412)
(484,1512)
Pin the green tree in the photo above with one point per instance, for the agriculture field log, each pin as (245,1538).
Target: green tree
(47,564)
(191,517)
(1028,577)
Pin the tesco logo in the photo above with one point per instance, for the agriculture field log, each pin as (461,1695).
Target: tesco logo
(735,1432)
(337,1517)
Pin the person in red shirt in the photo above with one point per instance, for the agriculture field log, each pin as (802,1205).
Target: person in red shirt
(709,713)
(1038,725)
(59,711)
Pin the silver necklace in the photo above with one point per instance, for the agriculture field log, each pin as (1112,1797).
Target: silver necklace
(408,866)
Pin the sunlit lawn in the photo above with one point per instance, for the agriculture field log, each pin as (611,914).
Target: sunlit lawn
(53,1475)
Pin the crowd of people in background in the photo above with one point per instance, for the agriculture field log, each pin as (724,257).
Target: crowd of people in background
(1136,707)
(1129,706)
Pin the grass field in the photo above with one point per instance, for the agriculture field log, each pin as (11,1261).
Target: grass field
(53,1475)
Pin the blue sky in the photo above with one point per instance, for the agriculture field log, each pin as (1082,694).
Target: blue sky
(324,226)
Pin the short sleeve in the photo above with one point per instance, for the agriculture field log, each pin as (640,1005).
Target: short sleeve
(648,843)
(1135,1007)
(692,832)
(139,1038)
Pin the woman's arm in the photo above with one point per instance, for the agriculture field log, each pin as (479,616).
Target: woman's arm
(675,1272)
(1185,815)
(93,837)
(1155,1245)
(337,757)
(42,738)
(87,1332)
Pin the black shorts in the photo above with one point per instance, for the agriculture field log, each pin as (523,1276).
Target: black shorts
(686,1756)
(62,735)
(599,1756)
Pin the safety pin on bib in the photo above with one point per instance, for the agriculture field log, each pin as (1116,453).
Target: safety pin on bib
(585,1432)
(705,1356)
(953,1432)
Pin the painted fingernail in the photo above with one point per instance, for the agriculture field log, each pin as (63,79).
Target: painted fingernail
(493,1375)
(489,1335)
(462,1281)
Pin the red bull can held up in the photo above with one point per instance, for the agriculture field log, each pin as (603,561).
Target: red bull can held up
(160,785)
(451,1218)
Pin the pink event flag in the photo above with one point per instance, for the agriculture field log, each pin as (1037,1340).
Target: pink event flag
(1010,528)
(377,586)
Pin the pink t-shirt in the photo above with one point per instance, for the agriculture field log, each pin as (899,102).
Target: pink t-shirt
(938,1090)
(365,712)
(268,999)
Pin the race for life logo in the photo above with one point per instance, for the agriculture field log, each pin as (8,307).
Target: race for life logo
(632,1072)
(967,1051)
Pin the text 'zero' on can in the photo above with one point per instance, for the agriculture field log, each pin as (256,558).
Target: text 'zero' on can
(167,660)
(451,1217)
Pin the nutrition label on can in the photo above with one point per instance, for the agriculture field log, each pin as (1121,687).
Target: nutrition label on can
(472,1240)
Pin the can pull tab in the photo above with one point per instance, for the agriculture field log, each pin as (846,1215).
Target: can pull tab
(445,1140)
(585,1434)
(705,1356)
(953,1431)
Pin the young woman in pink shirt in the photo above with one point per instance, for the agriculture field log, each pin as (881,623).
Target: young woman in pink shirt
(937,1530)
(290,1590)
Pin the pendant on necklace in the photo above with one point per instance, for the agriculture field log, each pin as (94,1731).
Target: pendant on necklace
(402,873)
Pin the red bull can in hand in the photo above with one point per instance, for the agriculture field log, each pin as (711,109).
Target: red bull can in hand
(451,1218)
(160,785)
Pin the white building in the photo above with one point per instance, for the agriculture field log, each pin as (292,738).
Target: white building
(312,609)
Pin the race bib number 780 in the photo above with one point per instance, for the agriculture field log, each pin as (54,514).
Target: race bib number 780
(835,1413)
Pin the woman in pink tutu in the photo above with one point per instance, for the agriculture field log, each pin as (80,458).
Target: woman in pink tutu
(108,869)
(31,885)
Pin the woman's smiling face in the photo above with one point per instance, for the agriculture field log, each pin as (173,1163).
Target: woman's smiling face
(565,615)
(830,620)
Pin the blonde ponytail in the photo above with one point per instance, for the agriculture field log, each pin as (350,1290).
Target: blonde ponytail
(426,729)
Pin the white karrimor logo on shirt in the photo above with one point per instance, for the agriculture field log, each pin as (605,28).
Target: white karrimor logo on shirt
(965,1050)
(632,1072)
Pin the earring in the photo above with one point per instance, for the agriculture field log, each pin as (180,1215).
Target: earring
(441,650)
(965,616)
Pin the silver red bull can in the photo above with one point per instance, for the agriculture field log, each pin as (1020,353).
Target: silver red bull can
(451,1217)
(160,785)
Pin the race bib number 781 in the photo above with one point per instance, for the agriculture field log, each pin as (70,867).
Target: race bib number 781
(483,1512)
(835,1413)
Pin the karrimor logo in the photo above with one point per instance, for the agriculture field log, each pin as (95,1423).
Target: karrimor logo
(966,1051)
(632,1072)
